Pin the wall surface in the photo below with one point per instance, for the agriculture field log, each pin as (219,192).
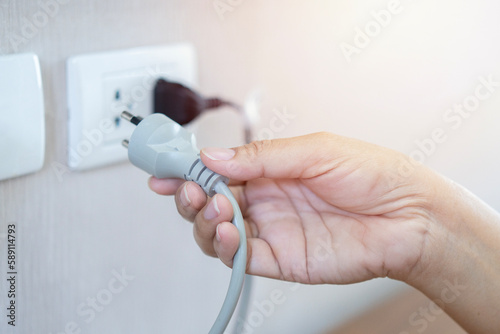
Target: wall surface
(78,233)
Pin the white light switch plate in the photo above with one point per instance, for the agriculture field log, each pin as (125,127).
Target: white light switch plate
(102,85)
(22,117)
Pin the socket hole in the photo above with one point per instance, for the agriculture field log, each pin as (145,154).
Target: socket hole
(118,95)
(117,121)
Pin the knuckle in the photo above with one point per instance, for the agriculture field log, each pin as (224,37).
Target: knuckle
(249,154)
(256,148)
(233,169)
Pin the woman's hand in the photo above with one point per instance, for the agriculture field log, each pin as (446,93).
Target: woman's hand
(319,209)
(327,209)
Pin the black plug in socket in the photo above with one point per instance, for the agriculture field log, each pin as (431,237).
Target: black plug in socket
(180,103)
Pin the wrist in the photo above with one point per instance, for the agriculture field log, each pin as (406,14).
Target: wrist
(463,232)
(459,263)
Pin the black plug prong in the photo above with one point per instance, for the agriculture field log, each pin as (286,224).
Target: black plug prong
(131,118)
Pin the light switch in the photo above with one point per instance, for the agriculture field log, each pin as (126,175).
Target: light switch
(22,117)
(102,85)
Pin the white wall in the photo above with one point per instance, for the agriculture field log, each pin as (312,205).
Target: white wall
(73,234)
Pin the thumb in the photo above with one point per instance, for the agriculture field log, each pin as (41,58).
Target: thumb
(297,157)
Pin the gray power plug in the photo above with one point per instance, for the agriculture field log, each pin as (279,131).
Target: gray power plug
(164,149)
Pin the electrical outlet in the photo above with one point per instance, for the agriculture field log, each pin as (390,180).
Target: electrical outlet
(102,85)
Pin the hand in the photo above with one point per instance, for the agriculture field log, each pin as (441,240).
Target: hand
(327,209)
(318,209)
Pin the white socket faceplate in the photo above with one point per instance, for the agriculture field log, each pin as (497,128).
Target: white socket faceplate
(22,117)
(101,86)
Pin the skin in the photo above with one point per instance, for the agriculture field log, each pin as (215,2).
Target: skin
(323,208)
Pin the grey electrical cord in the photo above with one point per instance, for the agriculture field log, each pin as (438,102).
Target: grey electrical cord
(248,111)
(239,265)
(163,148)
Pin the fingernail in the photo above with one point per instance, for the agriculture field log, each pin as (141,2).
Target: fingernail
(212,210)
(217,235)
(185,201)
(215,153)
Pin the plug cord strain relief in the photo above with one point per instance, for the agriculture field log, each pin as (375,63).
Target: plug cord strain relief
(204,177)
